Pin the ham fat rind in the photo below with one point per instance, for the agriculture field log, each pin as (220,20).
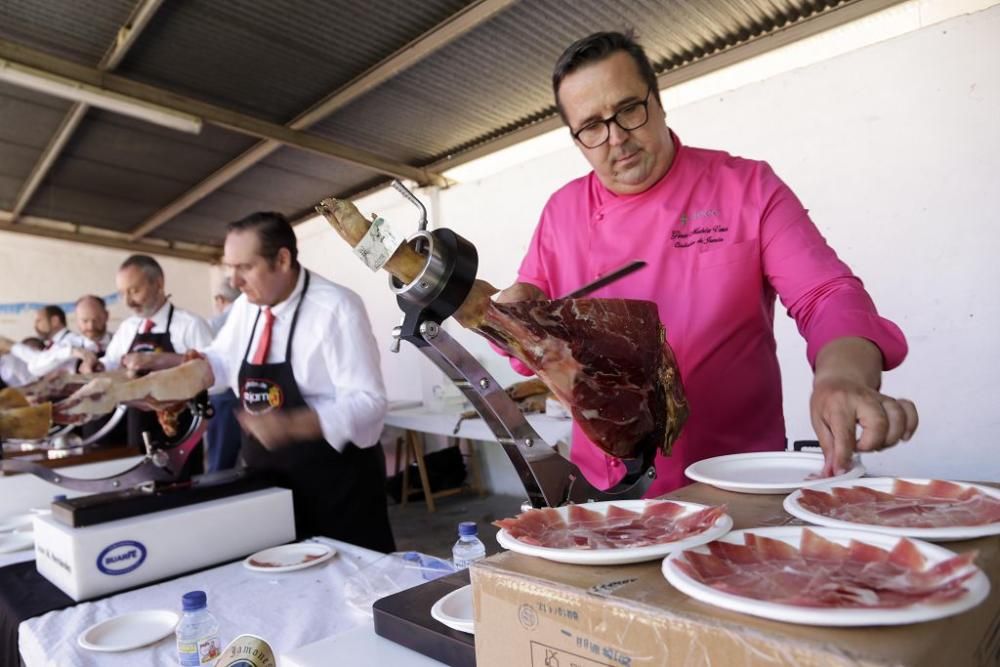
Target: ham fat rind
(607,360)
(160,391)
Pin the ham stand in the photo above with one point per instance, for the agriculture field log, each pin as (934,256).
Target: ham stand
(433,296)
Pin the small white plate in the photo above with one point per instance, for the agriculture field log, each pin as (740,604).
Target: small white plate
(765,472)
(942,534)
(977,587)
(129,631)
(11,542)
(17,522)
(455,610)
(289,557)
(617,556)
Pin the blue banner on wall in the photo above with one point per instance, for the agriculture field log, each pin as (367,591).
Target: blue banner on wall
(18,308)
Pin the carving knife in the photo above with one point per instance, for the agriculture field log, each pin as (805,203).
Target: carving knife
(606,279)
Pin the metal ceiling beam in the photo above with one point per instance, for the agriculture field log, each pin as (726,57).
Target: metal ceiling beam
(68,231)
(51,66)
(445,32)
(125,38)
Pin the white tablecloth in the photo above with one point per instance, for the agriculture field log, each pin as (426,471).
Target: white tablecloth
(289,610)
(439,422)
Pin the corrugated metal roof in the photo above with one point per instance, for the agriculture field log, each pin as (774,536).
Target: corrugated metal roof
(274,60)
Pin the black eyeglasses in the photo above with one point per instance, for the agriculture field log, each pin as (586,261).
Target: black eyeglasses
(629,118)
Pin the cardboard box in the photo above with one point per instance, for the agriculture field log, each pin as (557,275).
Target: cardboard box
(534,612)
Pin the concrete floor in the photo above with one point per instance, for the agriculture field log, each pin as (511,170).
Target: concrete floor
(416,529)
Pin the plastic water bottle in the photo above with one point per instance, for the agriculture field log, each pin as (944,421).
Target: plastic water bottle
(197,632)
(469,547)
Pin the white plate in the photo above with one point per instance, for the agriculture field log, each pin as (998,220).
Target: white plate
(17,522)
(129,631)
(793,507)
(11,542)
(765,472)
(618,556)
(289,557)
(978,586)
(455,610)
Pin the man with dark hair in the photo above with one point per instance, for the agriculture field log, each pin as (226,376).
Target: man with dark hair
(300,354)
(722,236)
(63,349)
(92,320)
(156,326)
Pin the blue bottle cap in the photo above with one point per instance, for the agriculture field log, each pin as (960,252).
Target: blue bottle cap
(194,600)
(467,528)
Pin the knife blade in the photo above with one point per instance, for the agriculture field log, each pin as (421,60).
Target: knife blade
(606,279)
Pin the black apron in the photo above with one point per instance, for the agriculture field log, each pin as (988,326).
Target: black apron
(138,421)
(340,495)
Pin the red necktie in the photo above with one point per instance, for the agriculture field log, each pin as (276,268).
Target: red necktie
(260,356)
(147,326)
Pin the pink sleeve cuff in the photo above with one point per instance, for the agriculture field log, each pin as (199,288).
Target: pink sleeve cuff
(861,324)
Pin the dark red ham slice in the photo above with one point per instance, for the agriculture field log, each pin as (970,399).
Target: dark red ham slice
(822,573)
(619,528)
(937,504)
(606,359)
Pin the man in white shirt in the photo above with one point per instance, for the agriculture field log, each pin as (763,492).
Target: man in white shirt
(92,320)
(157,326)
(64,349)
(13,371)
(299,351)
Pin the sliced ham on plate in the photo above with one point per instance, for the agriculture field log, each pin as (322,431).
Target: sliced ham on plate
(613,532)
(926,509)
(828,576)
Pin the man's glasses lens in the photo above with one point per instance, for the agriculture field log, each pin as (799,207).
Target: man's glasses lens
(630,118)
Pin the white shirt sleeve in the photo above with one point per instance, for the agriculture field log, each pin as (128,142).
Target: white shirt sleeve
(118,347)
(197,335)
(46,361)
(221,353)
(356,411)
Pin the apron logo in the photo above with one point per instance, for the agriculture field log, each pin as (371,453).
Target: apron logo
(146,347)
(262,396)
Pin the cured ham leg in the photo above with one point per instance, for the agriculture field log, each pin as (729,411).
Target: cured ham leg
(58,385)
(606,359)
(12,398)
(26,423)
(160,391)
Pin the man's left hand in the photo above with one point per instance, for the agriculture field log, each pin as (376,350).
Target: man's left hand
(843,398)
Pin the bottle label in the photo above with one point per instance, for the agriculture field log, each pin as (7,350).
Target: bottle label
(201,652)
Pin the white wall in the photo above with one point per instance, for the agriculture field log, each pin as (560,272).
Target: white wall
(47,271)
(894,149)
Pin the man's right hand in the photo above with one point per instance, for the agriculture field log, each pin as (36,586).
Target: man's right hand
(6,345)
(520,292)
(137,363)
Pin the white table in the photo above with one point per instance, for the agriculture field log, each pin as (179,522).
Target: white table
(442,422)
(291,610)
(417,422)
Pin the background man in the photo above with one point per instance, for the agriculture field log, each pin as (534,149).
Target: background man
(92,320)
(156,326)
(63,350)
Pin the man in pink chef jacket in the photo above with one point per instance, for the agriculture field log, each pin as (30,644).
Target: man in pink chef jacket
(722,237)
